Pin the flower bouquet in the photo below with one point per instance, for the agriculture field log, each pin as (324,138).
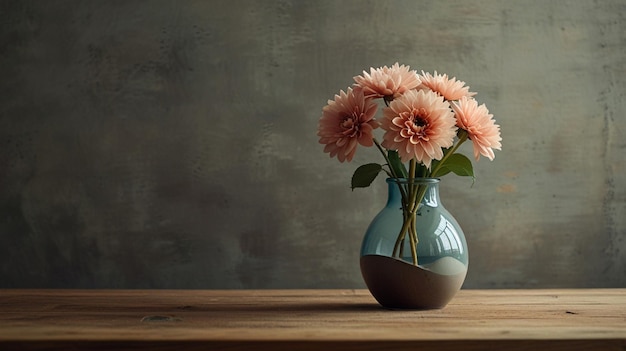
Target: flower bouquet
(426,118)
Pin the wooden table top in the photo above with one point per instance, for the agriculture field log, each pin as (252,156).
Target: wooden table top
(580,319)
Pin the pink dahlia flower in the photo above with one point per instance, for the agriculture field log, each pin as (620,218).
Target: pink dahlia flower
(480,126)
(450,89)
(419,124)
(388,82)
(346,122)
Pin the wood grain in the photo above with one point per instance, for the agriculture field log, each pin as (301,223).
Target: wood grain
(308,320)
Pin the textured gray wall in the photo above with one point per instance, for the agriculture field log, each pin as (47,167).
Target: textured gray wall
(163,144)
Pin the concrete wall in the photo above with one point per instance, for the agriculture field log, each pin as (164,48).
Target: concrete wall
(172,144)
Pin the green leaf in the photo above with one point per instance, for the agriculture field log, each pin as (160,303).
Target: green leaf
(459,164)
(365,175)
(395,163)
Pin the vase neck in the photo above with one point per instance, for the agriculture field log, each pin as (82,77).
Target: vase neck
(430,185)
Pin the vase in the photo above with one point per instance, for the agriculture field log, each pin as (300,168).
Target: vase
(426,275)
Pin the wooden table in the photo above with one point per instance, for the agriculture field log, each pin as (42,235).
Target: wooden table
(309,320)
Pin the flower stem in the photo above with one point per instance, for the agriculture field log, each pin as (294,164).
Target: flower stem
(382,151)
(463,136)
(408,216)
(403,231)
(414,240)
(391,171)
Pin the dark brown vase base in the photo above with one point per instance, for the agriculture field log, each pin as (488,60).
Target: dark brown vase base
(397,284)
